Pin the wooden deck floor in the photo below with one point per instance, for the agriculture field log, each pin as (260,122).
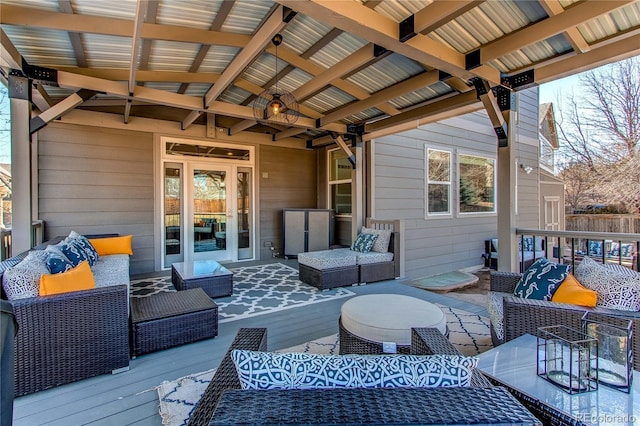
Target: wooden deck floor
(130,398)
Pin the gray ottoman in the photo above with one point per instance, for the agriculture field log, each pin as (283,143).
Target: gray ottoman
(326,269)
(382,323)
(164,320)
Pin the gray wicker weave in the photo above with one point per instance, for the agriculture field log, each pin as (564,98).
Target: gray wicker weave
(328,278)
(424,341)
(164,320)
(372,406)
(67,337)
(352,344)
(524,316)
(218,284)
(225,377)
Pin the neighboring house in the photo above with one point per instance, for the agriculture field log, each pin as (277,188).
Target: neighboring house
(551,186)
(5,196)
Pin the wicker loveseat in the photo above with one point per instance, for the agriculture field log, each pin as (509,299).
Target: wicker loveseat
(524,316)
(67,337)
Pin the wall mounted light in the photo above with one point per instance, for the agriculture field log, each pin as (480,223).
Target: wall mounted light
(527,169)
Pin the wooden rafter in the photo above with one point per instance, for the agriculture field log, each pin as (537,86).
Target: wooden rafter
(74,38)
(579,44)
(384,31)
(145,54)
(141,11)
(59,109)
(439,13)
(216,25)
(549,27)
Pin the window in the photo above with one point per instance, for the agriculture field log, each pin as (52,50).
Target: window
(438,182)
(339,182)
(477,184)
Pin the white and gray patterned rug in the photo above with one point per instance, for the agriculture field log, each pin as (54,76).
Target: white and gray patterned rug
(257,290)
(467,331)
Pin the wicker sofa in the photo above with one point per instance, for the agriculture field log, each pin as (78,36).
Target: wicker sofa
(524,316)
(425,341)
(67,337)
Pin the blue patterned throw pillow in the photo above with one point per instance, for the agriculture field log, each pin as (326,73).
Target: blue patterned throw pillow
(267,370)
(84,243)
(56,261)
(541,280)
(364,243)
(74,251)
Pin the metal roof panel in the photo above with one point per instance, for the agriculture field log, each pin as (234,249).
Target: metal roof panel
(172,55)
(124,9)
(302,33)
(339,48)
(47,48)
(217,59)
(246,16)
(386,72)
(328,99)
(104,51)
(193,13)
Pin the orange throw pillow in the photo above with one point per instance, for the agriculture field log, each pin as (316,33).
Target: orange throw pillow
(571,291)
(78,278)
(112,245)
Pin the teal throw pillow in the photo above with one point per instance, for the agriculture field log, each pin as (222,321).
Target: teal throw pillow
(364,243)
(541,280)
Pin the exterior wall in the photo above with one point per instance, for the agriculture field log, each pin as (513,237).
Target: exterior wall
(551,186)
(94,181)
(291,183)
(438,245)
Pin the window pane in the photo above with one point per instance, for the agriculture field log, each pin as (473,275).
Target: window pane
(173,148)
(438,198)
(477,185)
(340,167)
(439,169)
(341,198)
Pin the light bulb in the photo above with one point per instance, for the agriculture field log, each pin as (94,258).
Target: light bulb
(276,105)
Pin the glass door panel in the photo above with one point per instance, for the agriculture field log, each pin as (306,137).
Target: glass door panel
(244,215)
(209,204)
(173,219)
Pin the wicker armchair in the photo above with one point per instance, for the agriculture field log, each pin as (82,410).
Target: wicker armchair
(524,316)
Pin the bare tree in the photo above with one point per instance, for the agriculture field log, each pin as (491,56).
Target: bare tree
(600,130)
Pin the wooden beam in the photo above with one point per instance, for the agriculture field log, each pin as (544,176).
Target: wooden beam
(603,54)
(243,125)
(450,103)
(345,148)
(270,27)
(74,38)
(152,14)
(353,61)
(293,131)
(384,31)
(41,98)
(579,44)
(317,46)
(438,13)
(216,25)
(141,11)
(490,104)
(571,17)
(189,119)
(72,101)
(38,18)
(399,89)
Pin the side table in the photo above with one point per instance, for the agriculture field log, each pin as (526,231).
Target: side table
(209,275)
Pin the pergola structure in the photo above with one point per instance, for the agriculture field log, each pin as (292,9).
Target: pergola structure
(358,69)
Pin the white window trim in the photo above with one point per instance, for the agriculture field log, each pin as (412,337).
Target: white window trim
(493,158)
(336,182)
(442,215)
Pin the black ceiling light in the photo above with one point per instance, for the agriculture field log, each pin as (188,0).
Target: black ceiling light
(275,104)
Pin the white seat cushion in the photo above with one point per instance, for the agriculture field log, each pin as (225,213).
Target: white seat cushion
(327,259)
(373,257)
(390,317)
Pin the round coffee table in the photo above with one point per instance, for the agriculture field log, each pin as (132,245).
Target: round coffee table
(382,323)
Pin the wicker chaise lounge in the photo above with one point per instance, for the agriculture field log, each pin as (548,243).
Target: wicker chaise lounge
(424,342)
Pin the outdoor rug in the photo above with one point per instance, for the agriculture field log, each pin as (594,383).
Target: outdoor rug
(467,331)
(257,290)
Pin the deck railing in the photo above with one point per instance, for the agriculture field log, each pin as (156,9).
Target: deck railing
(571,246)
(37,237)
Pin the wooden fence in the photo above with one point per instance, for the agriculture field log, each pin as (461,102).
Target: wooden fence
(623,223)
